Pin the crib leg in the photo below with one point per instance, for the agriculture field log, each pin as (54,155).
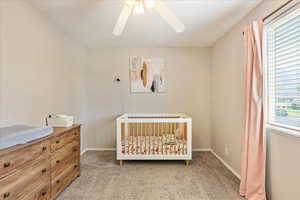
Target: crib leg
(187,162)
(121,163)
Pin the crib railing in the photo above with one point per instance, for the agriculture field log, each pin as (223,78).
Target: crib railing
(154,137)
(153,129)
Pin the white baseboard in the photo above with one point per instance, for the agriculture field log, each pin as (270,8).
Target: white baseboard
(201,150)
(98,149)
(82,152)
(226,165)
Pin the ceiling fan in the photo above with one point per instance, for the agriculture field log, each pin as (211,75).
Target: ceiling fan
(139,7)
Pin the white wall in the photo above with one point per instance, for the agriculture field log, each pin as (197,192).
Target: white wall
(227,80)
(188,91)
(41,69)
(284,165)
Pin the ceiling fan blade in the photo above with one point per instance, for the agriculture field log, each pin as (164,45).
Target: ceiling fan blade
(125,13)
(169,17)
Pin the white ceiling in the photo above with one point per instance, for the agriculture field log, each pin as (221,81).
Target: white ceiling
(91,22)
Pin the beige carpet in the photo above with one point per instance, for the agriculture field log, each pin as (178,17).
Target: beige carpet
(103,179)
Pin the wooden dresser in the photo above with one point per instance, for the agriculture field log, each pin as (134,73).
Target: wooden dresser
(41,169)
(65,158)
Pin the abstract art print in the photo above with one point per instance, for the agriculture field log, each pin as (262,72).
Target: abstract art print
(147,75)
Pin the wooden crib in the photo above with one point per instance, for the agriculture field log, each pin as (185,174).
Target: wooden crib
(154,137)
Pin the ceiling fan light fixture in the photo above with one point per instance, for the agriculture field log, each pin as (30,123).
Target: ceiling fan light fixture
(130,2)
(149,4)
(139,7)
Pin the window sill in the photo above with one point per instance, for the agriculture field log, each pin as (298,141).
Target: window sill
(283,131)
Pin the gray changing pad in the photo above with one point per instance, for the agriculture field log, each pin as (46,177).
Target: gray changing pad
(21,134)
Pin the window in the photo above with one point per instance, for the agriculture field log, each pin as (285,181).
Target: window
(282,62)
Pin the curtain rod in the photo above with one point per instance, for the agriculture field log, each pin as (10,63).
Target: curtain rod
(275,11)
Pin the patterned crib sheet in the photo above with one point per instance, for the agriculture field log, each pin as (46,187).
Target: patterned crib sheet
(154,145)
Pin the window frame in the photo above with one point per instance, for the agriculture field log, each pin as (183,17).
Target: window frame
(281,128)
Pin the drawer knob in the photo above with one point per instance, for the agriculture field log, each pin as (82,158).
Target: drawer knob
(44,170)
(75,149)
(6,195)
(58,161)
(58,181)
(44,193)
(57,141)
(75,133)
(75,166)
(6,165)
(44,148)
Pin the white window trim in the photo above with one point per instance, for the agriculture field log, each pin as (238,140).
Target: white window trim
(278,128)
(283,130)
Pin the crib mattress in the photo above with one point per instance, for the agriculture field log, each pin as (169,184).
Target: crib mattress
(21,134)
(154,145)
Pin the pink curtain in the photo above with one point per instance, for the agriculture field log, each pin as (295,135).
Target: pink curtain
(254,149)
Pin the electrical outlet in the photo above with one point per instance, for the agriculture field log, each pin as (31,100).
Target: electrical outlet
(226,151)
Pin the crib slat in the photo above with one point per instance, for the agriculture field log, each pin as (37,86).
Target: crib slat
(122,131)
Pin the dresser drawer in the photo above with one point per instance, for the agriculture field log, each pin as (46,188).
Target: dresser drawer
(18,158)
(64,157)
(59,183)
(60,141)
(42,193)
(23,183)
